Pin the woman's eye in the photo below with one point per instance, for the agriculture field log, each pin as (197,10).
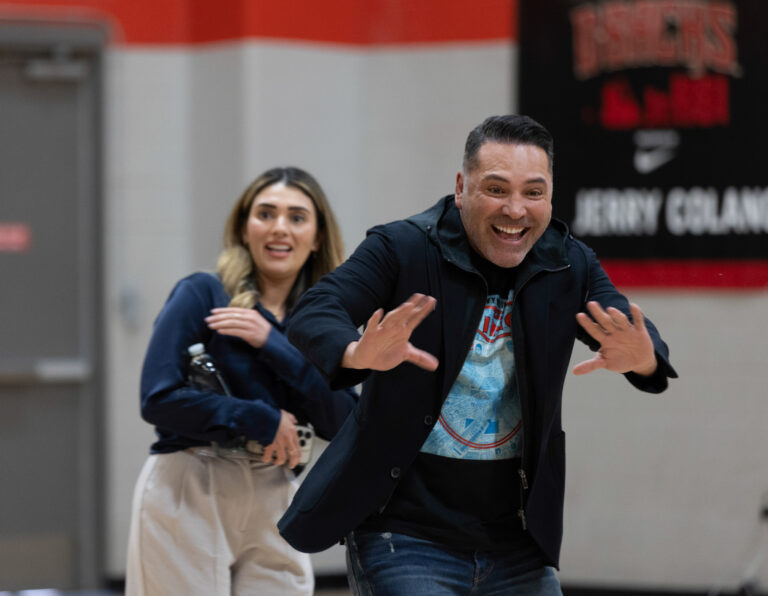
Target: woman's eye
(263,214)
(495,190)
(298,219)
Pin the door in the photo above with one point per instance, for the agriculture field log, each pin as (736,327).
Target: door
(50,307)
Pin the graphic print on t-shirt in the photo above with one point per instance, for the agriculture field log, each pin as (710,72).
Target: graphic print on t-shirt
(481,417)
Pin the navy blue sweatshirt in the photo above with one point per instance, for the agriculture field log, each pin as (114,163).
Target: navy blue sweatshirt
(262,380)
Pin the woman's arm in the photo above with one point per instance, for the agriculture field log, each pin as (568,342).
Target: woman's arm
(169,402)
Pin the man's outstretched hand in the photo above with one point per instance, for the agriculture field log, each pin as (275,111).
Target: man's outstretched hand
(385,343)
(624,346)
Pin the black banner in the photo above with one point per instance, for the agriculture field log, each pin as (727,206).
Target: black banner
(658,110)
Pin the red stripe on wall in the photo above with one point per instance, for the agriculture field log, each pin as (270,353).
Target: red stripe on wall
(373,22)
(688,274)
(142,21)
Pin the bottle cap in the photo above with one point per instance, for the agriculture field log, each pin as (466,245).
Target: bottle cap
(196,349)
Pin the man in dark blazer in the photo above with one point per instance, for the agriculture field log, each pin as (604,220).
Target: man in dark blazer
(448,478)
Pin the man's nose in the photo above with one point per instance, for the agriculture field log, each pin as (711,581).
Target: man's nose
(513,207)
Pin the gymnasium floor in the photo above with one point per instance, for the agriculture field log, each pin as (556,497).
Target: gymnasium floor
(319,592)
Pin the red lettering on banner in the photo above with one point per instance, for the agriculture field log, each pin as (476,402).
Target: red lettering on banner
(656,108)
(617,34)
(585,58)
(700,102)
(619,108)
(722,42)
(666,49)
(618,42)
(689,103)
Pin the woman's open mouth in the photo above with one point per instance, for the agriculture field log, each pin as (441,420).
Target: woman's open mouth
(278,249)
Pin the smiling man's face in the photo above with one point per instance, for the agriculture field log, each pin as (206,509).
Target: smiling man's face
(505,201)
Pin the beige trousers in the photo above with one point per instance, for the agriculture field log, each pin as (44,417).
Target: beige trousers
(207,525)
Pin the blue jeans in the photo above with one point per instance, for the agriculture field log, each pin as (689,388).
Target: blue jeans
(389,564)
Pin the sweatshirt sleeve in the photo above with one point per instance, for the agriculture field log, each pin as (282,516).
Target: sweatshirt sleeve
(602,290)
(327,317)
(167,400)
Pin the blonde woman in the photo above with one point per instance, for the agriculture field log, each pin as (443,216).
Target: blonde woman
(205,510)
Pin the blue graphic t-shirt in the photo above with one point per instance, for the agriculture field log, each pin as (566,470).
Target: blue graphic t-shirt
(481,416)
(463,489)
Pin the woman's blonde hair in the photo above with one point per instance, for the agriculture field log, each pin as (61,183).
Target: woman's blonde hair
(235,265)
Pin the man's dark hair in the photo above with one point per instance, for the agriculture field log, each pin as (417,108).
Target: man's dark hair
(512,129)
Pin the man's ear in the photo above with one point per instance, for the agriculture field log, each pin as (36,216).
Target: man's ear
(459,189)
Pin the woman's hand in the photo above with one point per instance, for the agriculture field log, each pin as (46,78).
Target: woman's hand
(245,323)
(285,447)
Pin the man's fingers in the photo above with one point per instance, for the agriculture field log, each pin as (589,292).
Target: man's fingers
(588,366)
(411,312)
(421,311)
(399,316)
(375,318)
(600,316)
(421,358)
(618,318)
(611,319)
(594,329)
(637,316)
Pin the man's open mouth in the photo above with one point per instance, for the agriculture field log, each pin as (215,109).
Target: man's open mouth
(510,232)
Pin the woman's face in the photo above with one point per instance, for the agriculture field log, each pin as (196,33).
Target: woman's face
(280,233)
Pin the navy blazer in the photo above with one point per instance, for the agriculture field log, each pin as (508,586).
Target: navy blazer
(429,253)
(262,380)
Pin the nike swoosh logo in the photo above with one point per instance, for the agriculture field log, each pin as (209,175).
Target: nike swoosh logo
(649,160)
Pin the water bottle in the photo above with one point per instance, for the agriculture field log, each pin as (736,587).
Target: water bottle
(203,371)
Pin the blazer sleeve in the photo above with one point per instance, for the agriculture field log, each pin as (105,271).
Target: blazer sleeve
(601,289)
(169,402)
(327,317)
(313,399)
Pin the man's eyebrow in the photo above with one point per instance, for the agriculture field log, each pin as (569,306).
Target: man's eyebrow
(498,177)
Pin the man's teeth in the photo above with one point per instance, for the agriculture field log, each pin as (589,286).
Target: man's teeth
(509,230)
